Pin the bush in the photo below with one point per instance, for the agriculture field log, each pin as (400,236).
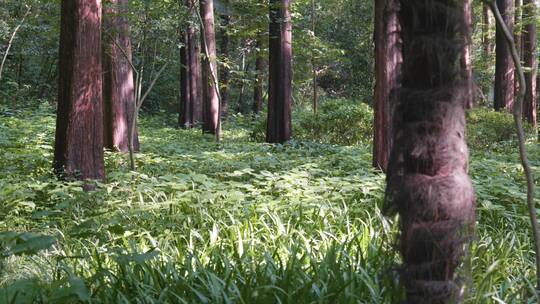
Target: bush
(486,127)
(338,121)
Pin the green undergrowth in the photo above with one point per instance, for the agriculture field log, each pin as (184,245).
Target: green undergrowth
(241,223)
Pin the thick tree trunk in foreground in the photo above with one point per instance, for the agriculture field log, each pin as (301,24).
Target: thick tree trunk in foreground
(529,56)
(78,150)
(387,68)
(428,182)
(224,73)
(190,73)
(504,67)
(118,87)
(280,73)
(209,65)
(258,89)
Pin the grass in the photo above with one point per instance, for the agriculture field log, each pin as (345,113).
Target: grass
(242,223)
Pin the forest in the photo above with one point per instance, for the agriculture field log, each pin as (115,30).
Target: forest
(269,151)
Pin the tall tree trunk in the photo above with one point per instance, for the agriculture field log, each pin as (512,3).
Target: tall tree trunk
(224,72)
(517,40)
(388,58)
(486,30)
(504,67)
(190,73)
(280,73)
(529,56)
(118,86)
(259,81)
(209,65)
(428,182)
(78,150)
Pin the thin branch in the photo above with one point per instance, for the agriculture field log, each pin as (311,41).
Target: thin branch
(521,136)
(10,43)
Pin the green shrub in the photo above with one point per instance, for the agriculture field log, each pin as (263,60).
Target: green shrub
(486,127)
(338,121)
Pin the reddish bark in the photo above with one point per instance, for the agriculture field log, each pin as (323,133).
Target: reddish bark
(209,65)
(504,67)
(529,56)
(388,59)
(280,73)
(428,182)
(190,74)
(78,150)
(258,89)
(118,87)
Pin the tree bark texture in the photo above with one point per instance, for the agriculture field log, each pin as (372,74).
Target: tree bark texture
(190,73)
(388,58)
(504,67)
(529,56)
(280,73)
(118,84)
(224,72)
(78,150)
(427,181)
(209,65)
(258,89)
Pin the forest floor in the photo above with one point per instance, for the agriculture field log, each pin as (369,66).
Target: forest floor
(242,223)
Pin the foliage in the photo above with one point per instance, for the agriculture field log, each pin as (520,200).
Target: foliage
(488,128)
(338,121)
(244,223)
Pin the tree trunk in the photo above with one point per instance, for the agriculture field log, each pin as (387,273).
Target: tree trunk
(209,65)
(315,97)
(504,68)
(486,30)
(259,82)
(280,73)
(388,60)
(428,182)
(190,73)
(118,86)
(517,40)
(224,74)
(529,55)
(78,146)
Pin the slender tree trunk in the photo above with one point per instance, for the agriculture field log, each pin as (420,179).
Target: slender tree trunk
(529,56)
(486,30)
(185,117)
(118,84)
(79,127)
(504,68)
(280,73)
(209,65)
(259,81)
(428,182)
(224,74)
(517,39)
(388,58)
